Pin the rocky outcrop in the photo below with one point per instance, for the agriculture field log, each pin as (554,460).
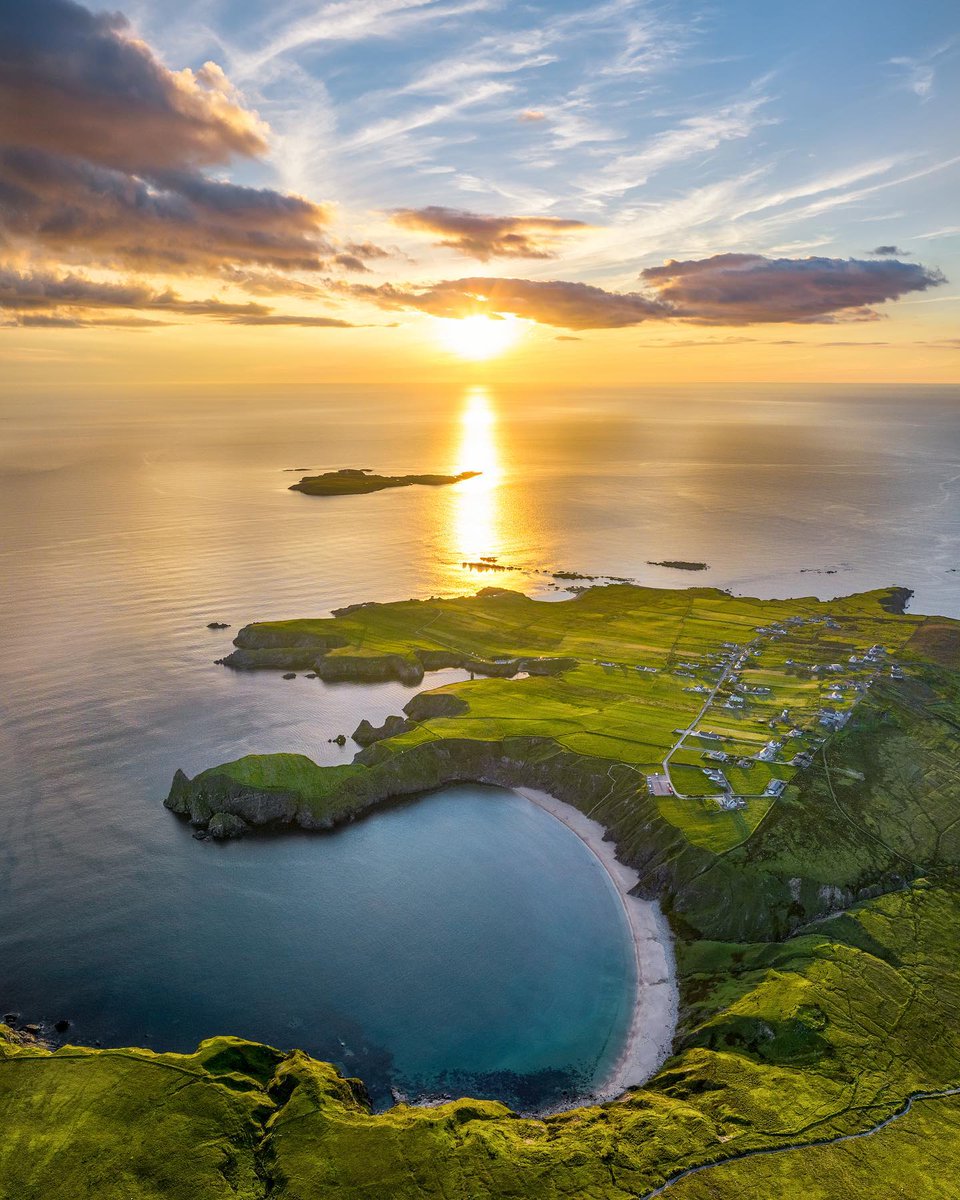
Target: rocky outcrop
(222,826)
(264,647)
(366,734)
(267,648)
(425,705)
(216,793)
(361,669)
(896,600)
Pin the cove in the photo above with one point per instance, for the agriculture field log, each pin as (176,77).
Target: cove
(467,942)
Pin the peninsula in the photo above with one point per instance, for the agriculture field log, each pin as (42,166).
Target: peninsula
(357,482)
(780,778)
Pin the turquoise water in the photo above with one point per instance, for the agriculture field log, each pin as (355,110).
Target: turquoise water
(468,942)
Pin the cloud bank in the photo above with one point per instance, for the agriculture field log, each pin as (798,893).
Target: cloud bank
(484,237)
(103,151)
(748,289)
(553,302)
(107,158)
(42,299)
(727,289)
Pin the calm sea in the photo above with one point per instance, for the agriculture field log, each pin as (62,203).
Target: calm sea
(468,942)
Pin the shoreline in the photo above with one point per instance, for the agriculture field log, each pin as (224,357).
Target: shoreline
(649,1039)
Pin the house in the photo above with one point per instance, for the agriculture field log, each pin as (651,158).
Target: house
(833,720)
(775,787)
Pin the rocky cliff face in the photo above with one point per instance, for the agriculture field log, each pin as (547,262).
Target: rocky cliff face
(215,792)
(264,648)
(366,734)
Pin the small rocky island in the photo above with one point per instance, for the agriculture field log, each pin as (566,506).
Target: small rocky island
(678,564)
(351,481)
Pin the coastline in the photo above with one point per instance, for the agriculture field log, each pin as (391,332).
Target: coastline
(650,1035)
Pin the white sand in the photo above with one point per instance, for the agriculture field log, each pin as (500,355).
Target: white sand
(655,1011)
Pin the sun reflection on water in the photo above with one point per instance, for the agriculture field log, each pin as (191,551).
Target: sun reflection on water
(476,520)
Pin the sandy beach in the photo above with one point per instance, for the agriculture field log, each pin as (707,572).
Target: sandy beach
(651,1029)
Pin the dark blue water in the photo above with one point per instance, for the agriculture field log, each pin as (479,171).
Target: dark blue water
(470,941)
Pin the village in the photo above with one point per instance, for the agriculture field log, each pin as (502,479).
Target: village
(749,738)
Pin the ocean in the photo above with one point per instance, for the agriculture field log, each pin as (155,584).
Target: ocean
(467,942)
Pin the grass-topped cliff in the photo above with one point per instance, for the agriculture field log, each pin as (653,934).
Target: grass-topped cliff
(818,929)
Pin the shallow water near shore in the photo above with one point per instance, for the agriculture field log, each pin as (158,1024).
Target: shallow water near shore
(126,525)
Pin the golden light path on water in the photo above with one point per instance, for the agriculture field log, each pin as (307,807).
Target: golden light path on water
(476,525)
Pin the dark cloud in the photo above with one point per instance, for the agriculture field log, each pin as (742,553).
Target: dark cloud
(76,82)
(890,252)
(552,302)
(102,151)
(566,337)
(79,212)
(748,289)
(484,237)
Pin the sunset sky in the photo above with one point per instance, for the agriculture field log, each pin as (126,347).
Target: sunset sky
(222,192)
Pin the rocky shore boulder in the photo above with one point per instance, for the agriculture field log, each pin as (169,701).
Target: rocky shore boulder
(222,826)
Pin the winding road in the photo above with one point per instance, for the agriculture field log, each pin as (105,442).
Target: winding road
(814,1145)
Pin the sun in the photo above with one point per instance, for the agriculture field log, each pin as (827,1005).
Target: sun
(478,337)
